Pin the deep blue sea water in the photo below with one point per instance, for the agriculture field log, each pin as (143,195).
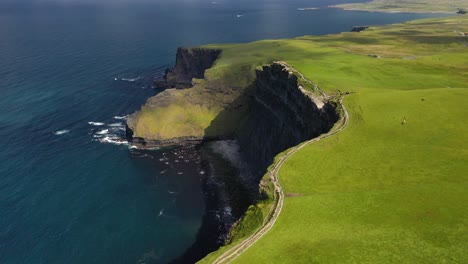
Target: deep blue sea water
(67,196)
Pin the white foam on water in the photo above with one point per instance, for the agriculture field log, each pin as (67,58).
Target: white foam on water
(117,129)
(113,140)
(227,211)
(131,79)
(61,132)
(121,117)
(102,132)
(96,123)
(240,16)
(116,125)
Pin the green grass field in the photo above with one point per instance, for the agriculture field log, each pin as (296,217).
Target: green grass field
(381,191)
(418,6)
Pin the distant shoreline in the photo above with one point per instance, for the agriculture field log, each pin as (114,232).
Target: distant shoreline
(389,11)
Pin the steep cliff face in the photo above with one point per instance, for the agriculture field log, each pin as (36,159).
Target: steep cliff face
(267,117)
(267,112)
(282,116)
(190,63)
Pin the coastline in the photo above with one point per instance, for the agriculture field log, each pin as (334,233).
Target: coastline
(267,218)
(390,11)
(283,98)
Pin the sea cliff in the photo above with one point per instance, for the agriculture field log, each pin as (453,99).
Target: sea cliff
(191,63)
(272,109)
(283,115)
(278,109)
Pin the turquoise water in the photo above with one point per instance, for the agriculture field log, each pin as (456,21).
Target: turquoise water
(70,71)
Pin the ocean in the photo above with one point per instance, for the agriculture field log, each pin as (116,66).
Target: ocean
(71,190)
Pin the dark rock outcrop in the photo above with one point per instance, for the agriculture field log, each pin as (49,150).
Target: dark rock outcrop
(190,63)
(283,115)
(359,28)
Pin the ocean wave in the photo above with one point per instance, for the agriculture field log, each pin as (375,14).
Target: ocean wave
(61,132)
(96,123)
(113,140)
(130,79)
(116,129)
(103,132)
(121,117)
(116,125)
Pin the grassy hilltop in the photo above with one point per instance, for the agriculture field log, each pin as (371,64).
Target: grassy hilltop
(414,6)
(393,186)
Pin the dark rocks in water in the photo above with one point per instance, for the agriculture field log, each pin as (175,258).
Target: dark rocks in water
(359,28)
(162,83)
(128,133)
(461,11)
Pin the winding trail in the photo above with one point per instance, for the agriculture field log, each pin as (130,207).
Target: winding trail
(270,220)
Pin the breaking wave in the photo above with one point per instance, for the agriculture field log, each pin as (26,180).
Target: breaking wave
(96,123)
(113,133)
(102,132)
(113,140)
(121,117)
(116,125)
(61,132)
(130,79)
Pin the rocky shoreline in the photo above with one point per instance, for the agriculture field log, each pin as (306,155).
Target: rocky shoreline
(281,115)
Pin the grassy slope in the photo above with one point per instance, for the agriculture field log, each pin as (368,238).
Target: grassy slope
(421,6)
(380,191)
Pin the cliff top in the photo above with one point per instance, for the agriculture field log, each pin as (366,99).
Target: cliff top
(392,186)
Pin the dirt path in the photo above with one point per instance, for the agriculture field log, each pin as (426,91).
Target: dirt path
(238,249)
